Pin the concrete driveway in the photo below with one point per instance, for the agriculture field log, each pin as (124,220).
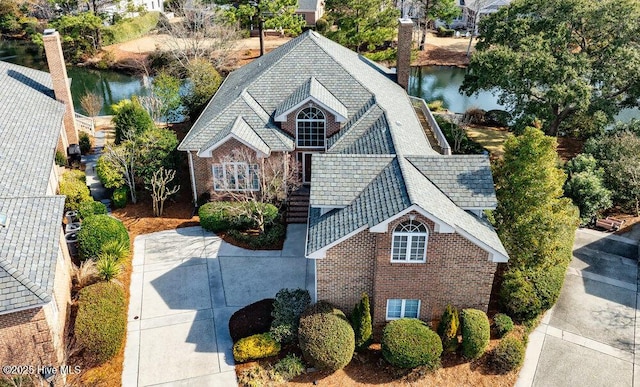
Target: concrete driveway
(185,285)
(589,337)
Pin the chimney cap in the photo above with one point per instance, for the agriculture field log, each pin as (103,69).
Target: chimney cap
(49,31)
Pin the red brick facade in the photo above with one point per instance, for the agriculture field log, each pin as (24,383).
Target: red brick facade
(25,338)
(456,271)
(289,126)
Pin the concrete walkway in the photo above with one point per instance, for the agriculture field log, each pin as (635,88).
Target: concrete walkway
(590,337)
(186,284)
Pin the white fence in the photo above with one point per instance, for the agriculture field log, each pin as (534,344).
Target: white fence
(85,123)
(442,141)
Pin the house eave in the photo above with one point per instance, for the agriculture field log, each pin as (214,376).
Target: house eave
(282,117)
(440,225)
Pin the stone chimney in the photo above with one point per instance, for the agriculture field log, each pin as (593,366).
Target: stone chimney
(61,82)
(403,60)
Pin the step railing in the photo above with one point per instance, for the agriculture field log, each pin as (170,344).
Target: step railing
(85,123)
(435,128)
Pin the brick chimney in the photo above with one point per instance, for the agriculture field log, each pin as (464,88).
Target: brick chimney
(61,82)
(403,61)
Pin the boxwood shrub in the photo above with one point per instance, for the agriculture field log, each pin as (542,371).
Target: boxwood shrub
(325,336)
(98,230)
(74,187)
(508,354)
(476,332)
(252,319)
(409,343)
(90,208)
(222,216)
(503,324)
(101,323)
(255,347)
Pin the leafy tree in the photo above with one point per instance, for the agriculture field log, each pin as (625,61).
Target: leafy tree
(80,34)
(431,10)
(617,153)
(586,188)
(275,14)
(156,149)
(130,116)
(167,89)
(560,60)
(362,24)
(361,322)
(204,82)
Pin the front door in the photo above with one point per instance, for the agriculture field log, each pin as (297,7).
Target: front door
(306,167)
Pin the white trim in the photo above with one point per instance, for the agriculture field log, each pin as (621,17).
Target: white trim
(283,116)
(478,208)
(402,308)
(193,179)
(440,226)
(236,166)
(321,253)
(410,236)
(310,121)
(494,255)
(208,152)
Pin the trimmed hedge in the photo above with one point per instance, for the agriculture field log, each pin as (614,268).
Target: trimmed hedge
(526,294)
(98,230)
(101,323)
(90,208)
(251,320)
(503,324)
(325,337)
(288,306)
(73,186)
(255,347)
(508,354)
(270,237)
(476,332)
(222,216)
(409,343)
(448,328)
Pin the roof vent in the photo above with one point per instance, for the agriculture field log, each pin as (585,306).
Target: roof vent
(398,123)
(3,220)
(49,31)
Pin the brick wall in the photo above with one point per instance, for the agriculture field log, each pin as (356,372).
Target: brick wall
(25,338)
(403,66)
(347,271)
(290,125)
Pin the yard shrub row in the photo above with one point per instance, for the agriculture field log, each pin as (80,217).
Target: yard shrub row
(255,347)
(269,237)
(221,216)
(101,322)
(97,231)
(89,208)
(476,332)
(409,343)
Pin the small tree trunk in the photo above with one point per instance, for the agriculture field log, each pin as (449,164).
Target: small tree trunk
(423,38)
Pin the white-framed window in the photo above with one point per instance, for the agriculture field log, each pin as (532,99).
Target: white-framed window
(400,308)
(310,128)
(236,176)
(409,242)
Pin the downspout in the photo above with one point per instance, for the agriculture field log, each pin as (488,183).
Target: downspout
(193,179)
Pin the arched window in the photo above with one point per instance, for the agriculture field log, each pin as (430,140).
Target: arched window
(409,242)
(310,128)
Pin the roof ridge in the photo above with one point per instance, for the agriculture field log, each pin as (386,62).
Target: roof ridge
(19,276)
(427,177)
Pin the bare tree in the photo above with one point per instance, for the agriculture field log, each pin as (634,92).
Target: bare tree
(160,190)
(244,177)
(153,105)
(92,103)
(123,158)
(201,34)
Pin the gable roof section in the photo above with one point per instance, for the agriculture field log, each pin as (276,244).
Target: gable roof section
(465,179)
(368,135)
(242,132)
(312,90)
(29,250)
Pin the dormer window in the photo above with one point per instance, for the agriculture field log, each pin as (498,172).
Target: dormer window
(310,128)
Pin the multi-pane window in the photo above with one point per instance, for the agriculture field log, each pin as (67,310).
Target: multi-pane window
(236,176)
(409,242)
(399,308)
(310,125)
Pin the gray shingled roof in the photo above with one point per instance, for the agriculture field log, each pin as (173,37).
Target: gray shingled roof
(241,130)
(30,124)
(311,89)
(307,5)
(349,78)
(465,179)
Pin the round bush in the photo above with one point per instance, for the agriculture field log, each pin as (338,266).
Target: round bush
(90,208)
(215,216)
(508,354)
(98,230)
(101,323)
(255,347)
(476,332)
(75,189)
(251,320)
(503,324)
(325,336)
(409,343)
(120,197)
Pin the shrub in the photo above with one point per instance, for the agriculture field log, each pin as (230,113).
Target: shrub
(271,237)
(75,190)
(409,343)
(436,106)
(497,118)
(475,332)
(120,197)
(61,158)
(325,337)
(322,25)
(288,306)
(109,174)
(101,323)
(445,32)
(130,117)
(116,249)
(85,143)
(98,230)
(289,367)
(108,267)
(361,322)
(503,324)
(251,320)
(255,347)
(259,376)
(585,186)
(221,216)
(217,216)
(473,116)
(448,328)
(129,29)
(90,208)
(508,354)
(527,293)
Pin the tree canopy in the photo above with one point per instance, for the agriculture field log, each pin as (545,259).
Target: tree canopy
(362,24)
(568,63)
(274,13)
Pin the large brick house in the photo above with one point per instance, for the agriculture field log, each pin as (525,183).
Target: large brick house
(388,214)
(35,265)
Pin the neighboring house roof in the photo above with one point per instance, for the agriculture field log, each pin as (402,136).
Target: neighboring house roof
(30,124)
(346,81)
(309,5)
